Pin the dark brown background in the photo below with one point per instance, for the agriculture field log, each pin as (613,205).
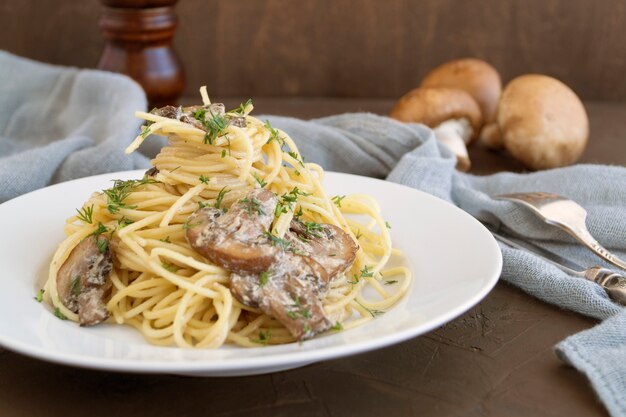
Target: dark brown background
(495,360)
(349,48)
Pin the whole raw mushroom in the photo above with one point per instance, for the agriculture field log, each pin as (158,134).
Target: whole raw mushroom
(474,76)
(453,115)
(542,122)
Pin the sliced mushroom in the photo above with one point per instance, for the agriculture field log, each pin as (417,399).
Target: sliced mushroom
(328,245)
(290,291)
(83,279)
(236,240)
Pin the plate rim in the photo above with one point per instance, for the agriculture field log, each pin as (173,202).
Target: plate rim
(258,362)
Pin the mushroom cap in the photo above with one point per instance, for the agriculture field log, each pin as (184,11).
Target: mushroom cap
(433,106)
(474,76)
(542,121)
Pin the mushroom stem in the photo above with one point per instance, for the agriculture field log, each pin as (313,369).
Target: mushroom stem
(456,134)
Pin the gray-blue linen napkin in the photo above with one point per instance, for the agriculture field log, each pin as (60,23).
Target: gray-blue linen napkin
(59,123)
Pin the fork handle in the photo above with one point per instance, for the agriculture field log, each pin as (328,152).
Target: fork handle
(614,284)
(584,237)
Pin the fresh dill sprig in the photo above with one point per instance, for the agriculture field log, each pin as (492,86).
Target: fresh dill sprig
(214,124)
(313,229)
(287,201)
(121,190)
(169,267)
(276,241)
(145,131)
(252,205)
(337,327)
(337,199)
(363,273)
(103,244)
(274,134)
(297,157)
(262,183)
(123,222)
(241,110)
(39,296)
(220,197)
(373,313)
(203,179)
(85,214)
(264,337)
(99,230)
(75,286)
(263,278)
(58,314)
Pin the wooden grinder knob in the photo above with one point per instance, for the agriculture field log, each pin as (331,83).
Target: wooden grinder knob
(139,44)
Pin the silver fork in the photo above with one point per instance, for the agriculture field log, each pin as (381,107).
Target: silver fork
(565,214)
(613,283)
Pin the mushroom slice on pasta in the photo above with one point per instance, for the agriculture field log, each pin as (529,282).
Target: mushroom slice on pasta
(290,291)
(236,240)
(328,245)
(83,279)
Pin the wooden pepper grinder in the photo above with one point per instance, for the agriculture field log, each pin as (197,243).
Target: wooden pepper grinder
(139,44)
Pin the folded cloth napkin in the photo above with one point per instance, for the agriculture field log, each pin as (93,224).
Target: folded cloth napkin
(58,123)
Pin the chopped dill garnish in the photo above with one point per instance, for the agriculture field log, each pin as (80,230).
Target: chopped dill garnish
(99,230)
(337,199)
(122,189)
(203,179)
(103,244)
(241,110)
(252,205)
(169,267)
(298,214)
(276,241)
(214,124)
(260,181)
(39,296)
(166,240)
(58,314)
(85,214)
(297,157)
(337,327)
(123,222)
(263,277)
(391,281)
(75,285)
(313,229)
(145,131)
(189,225)
(287,200)
(220,197)
(264,337)
(363,273)
(373,313)
(358,234)
(223,153)
(387,225)
(274,134)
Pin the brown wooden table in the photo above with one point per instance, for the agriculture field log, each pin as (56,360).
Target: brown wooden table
(495,360)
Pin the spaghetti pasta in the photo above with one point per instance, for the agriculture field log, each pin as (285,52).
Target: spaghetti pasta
(174,296)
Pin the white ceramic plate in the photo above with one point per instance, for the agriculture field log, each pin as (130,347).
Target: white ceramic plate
(454,259)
